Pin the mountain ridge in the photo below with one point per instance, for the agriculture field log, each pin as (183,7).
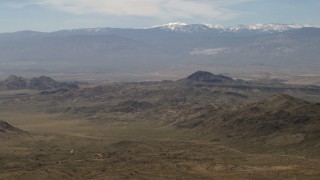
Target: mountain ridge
(188,28)
(277,113)
(37,83)
(271,27)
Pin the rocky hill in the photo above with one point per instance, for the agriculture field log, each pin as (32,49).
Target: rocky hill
(203,76)
(37,83)
(278,113)
(7,130)
(14,82)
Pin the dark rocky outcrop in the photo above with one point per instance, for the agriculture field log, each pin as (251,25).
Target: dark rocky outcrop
(8,131)
(44,83)
(203,76)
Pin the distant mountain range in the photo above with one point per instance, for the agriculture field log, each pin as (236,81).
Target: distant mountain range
(172,48)
(191,28)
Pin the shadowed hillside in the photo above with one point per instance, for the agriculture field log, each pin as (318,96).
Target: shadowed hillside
(7,130)
(279,113)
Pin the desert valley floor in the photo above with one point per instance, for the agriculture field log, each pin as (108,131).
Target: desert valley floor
(204,126)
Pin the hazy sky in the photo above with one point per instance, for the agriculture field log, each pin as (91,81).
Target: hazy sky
(50,15)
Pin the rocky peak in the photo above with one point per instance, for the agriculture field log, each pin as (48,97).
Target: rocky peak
(204,76)
(15,82)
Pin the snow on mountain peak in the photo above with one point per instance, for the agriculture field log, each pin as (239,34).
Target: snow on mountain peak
(180,27)
(273,27)
(189,28)
(215,26)
(171,26)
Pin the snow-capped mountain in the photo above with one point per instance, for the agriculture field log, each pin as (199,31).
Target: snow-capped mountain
(179,27)
(183,27)
(191,28)
(267,27)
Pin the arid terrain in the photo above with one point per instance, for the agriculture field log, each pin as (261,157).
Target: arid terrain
(204,126)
